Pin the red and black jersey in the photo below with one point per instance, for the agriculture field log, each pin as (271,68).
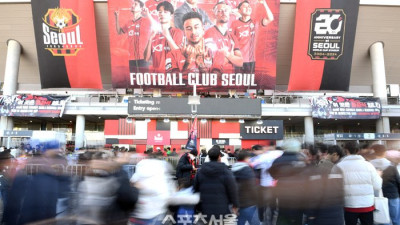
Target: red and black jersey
(245,33)
(216,41)
(160,48)
(151,5)
(138,34)
(212,62)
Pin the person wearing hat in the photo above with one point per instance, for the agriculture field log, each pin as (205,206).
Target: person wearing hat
(186,166)
(224,156)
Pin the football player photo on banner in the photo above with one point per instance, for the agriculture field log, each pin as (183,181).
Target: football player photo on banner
(175,44)
(323,44)
(65,34)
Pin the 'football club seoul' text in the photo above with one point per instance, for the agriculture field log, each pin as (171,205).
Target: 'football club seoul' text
(203,79)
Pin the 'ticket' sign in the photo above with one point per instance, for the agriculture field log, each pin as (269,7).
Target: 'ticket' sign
(268,130)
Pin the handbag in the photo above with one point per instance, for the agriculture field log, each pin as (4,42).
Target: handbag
(381,212)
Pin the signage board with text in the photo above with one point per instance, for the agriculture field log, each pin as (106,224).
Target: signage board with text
(208,106)
(267,130)
(362,136)
(158,138)
(220,141)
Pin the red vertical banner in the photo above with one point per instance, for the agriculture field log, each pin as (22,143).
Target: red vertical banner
(65,34)
(192,139)
(323,44)
(83,69)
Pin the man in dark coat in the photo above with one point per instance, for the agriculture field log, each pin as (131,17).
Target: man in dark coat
(186,167)
(217,187)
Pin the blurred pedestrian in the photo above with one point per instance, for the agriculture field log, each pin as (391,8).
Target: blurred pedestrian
(7,173)
(361,180)
(261,162)
(35,197)
(390,183)
(183,202)
(173,153)
(105,195)
(153,179)
(247,189)
(289,170)
(325,194)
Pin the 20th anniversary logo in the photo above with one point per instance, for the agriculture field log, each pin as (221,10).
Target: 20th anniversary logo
(327,34)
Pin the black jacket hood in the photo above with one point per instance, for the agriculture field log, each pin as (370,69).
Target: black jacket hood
(213,169)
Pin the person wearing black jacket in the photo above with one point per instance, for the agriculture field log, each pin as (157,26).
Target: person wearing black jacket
(247,188)
(186,167)
(217,187)
(325,192)
(289,171)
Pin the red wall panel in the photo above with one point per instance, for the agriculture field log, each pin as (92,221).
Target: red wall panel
(152,125)
(183,126)
(111,127)
(126,141)
(178,142)
(125,128)
(140,148)
(140,141)
(228,127)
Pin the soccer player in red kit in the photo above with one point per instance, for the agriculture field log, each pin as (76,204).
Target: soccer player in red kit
(194,56)
(245,30)
(164,39)
(219,37)
(151,5)
(138,33)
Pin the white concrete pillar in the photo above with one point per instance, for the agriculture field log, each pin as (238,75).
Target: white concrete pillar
(80,131)
(378,71)
(379,82)
(309,130)
(10,78)
(383,125)
(6,123)
(12,67)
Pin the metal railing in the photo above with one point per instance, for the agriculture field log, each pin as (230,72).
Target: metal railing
(81,169)
(231,160)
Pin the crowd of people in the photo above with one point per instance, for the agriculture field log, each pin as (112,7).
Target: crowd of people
(290,184)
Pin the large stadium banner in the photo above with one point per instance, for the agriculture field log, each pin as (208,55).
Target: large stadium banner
(32,105)
(175,44)
(323,44)
(337,107)
(66,43)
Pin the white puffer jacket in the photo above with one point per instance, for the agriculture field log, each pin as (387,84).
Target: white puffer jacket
(152,177)
(360,181)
